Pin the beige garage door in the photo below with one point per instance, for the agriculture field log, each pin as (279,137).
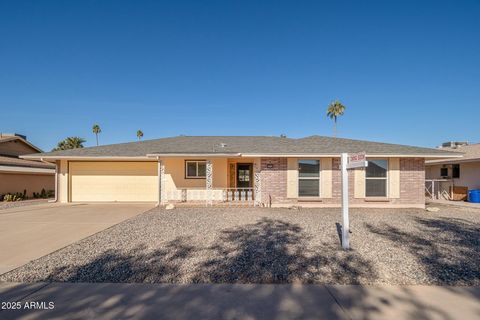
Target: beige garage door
(113,181)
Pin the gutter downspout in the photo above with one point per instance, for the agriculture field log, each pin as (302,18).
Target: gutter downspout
(56,180)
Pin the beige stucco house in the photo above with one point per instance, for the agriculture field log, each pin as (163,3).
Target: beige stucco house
(260,170)
(16,174)
(464,172)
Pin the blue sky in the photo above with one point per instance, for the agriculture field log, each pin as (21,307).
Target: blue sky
(408,71)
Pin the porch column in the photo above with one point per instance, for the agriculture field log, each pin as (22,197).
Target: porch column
(209,182)
(162,199)
(257,183)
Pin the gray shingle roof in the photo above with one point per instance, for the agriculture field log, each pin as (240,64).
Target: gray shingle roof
(245,145)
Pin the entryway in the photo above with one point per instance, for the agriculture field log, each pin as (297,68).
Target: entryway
(244,175)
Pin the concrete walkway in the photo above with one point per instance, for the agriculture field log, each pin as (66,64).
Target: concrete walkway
(30,232)
(239,301)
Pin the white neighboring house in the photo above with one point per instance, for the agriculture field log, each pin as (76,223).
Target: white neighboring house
(462,172)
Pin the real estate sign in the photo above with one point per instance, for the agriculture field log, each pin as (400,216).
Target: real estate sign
(349,161)
(357,160)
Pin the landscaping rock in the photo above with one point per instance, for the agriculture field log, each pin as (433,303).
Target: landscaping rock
(432,209)
(169,207)
(278,245)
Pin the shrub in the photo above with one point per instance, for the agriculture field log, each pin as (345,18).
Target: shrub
(44,194)
(13,197)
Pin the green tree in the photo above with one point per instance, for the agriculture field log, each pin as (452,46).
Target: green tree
(139,134)
(70,143)
(96,129)
(335,110)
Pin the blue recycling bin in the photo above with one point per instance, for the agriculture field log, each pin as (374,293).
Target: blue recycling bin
(474,196)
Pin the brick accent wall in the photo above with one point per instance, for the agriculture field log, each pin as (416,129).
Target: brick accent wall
(412,180)
(274,180)
(412,184)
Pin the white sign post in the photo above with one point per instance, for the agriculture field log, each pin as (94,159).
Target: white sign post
(357,160)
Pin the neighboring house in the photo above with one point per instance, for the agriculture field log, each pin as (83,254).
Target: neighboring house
(269,171)
(463,172)
(17,175)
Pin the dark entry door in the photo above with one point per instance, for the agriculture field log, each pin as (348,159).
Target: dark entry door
(244,175)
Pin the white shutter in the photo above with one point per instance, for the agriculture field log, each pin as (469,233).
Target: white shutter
(394,178)
(292,178)
(359,183)
(326,176)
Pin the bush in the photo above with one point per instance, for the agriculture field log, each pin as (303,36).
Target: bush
(13,197)
(18,196)
(44,194)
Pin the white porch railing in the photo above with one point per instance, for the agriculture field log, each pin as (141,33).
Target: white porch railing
(225,195)
(238,195)
(436,189)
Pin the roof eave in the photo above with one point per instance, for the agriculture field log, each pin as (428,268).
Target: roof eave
(25,169)
(53,158)
(380,155)
(450,161)
(235,154)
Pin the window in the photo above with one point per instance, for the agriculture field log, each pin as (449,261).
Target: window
(309,178)
(443,172)
(195,169)
(455,171)
(376,178)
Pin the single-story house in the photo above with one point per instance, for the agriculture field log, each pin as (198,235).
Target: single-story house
(462,172)
(264,170)
(18,175)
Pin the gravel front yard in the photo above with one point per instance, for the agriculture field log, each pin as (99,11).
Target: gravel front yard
(257,245)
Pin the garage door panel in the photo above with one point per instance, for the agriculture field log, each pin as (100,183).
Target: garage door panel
(113,181)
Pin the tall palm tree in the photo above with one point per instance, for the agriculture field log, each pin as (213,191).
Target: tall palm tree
(139,134)
(96,129)
(70,143)
(335,110)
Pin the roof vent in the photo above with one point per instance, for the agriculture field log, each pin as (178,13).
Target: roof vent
(221,145)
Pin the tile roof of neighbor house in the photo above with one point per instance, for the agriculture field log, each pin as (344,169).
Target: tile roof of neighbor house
(470,152)
(262,145)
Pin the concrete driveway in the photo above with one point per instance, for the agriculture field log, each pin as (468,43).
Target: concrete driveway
(28,233)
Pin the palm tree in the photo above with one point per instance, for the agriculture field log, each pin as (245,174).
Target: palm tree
(139,134)
(334,110)
(96,129)
(70,143)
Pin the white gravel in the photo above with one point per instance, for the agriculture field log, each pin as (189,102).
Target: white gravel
(259,245)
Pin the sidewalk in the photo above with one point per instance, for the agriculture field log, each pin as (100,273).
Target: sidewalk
(240,301)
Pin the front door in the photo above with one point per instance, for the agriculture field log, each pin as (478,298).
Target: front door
(244,175)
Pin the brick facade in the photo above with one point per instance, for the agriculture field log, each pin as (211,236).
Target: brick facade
(412,185)
(274,180)
(412,180)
